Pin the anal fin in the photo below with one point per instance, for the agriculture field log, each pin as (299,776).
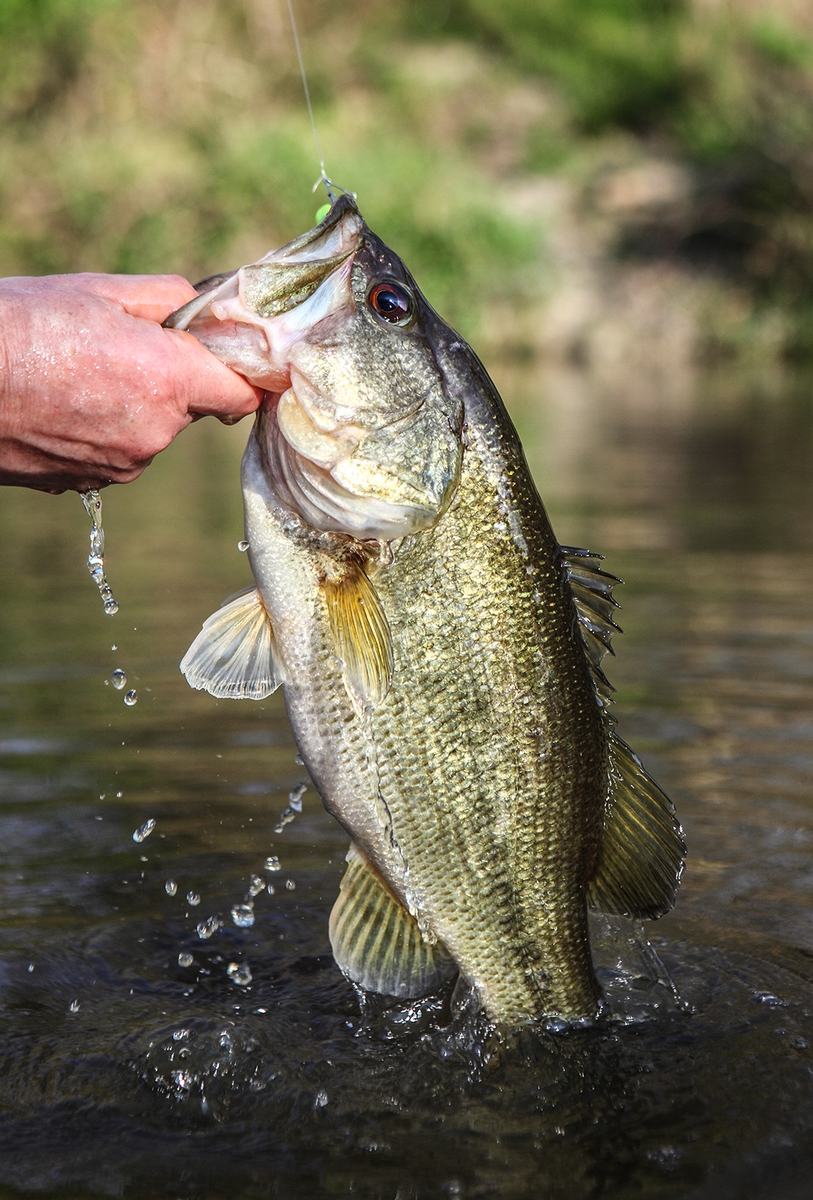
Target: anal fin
(233,655)
(642,852)
(377,943)
(361,633)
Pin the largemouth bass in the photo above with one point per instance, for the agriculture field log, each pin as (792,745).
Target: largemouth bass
(439,653)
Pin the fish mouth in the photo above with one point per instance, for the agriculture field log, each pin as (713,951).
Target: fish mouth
(286,278)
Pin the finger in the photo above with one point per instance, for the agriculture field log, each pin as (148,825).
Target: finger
(212,389)
(152,297)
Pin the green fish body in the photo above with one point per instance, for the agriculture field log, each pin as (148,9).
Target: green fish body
(439,652)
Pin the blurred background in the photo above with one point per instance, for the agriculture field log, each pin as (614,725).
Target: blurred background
(594,180)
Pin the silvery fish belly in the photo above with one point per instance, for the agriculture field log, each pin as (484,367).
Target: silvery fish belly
(439,652)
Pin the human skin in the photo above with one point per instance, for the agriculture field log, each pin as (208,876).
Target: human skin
(92,387)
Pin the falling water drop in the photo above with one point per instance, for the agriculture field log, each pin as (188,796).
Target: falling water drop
(242,547)
(131,697)
(171,887)
(93,507)
(239,973)
(185,960)
(243,915)
(144,830)
(272,863)
(118,679)
(74,1006)
(208,928)
(193,898)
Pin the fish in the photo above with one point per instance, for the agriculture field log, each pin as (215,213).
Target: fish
(439,653)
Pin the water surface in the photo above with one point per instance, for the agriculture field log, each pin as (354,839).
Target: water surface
(125,1073)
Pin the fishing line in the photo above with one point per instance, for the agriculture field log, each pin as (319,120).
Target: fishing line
(324,178)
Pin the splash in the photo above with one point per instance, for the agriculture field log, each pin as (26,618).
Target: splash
(93,507)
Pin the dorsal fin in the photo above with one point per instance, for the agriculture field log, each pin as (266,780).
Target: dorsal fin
(593,593)
(642,852)
(233,655)
(375,940)
(361,633)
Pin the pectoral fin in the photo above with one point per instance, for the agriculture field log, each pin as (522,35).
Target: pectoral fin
(642,851)
(377,943)
(233,655)
(361,633)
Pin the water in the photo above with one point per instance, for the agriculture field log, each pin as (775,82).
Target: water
(158,1049)
(92,502)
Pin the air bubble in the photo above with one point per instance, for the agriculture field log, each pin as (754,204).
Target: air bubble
(118,679)
(193,898)
(144,830)
(272,863)
(131,698)
(243,915)
(239,973)
(171,887)
(185,959)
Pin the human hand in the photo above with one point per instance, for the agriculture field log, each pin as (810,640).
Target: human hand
(92,387)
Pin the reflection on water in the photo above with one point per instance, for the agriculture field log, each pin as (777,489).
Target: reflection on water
(173,1021)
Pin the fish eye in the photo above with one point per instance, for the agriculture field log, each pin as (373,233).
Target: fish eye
(391,302)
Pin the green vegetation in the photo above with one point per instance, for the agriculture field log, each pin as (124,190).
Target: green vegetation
(140,135)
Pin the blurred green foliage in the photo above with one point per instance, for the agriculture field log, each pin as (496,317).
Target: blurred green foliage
(143,135)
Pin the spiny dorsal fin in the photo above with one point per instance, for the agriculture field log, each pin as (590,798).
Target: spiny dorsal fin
(642,850)
(375,940)
(593,593)
(233,655)
(361,633)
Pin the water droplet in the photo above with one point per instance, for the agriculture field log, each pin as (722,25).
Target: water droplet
(239,973)
(320,1099)
(243,546)
(171,887)
(93,507)
(207,928)
(144,830)
(193,898)
(290,885)
(299,760)
(131,697)
(74,1006)
(243,915)
(30,968)
(119,794)
(295,797)
(256,885)
(271,889)
(118,679)
(114,646)
(185,960)
(272,863)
